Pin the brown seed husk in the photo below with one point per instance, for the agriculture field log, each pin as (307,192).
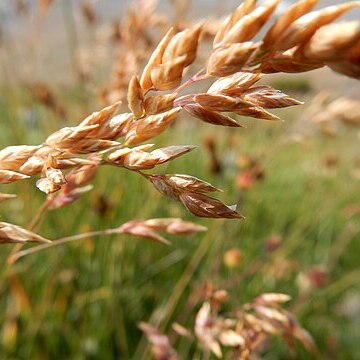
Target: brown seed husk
(10,233)
(168,76)
(291,14)
(249,25)
(210,117)
(230,58)
(158,103)
(300,31)
(135,97)
(155,59)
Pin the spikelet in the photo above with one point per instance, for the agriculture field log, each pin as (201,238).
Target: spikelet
(291,14)
(333,41)
(151,228)
(230,58)
(158,103)
(10,233)
(138,159)
(211,117)
(250,24)
(190,191)
(184,43)
(114,127)
(150,126)
(67,195)
(257,112)
(174,53)
(301,30)
(68,137)
(168,76)
(100,118)
(12,157)
(52,177)
(235,84)
(346,67)
(135,97)
(7,176)
(204,206)
(268,97)
(155,59)
(72,162)
(81,176)
(160,344)
(243,9)
(47,186)
(286,62)
(222,103)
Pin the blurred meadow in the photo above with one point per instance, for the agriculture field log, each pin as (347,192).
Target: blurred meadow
(296,182)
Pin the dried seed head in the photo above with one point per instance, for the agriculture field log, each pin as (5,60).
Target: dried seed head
(138,159)
(68,137)
(205,330)
(250,24)
(182,183)
(333,41)
(257,112)
(184,43)
(218,102)
(190,191)
(55,175)
(47,186)
(230,58)
(91,145)
(291,14)
(73,162)
(155,59)
(272,298)
(68,195)
(7,176)
(268,97)
(234,85)
(285,62)
(161,347)
(301,30)
(115,127)
(33,165)
(158,103)
(135,97)
(82,175)
(243,9)
(150,126)
(205,206)
(174,226)
(168,76)
(138,229)
(100,117)
(231,338)
(12,157)
(210,117)
(150,228)
(346,67)
(10,233)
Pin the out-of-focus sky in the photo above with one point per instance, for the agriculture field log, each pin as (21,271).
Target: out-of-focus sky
(37,50)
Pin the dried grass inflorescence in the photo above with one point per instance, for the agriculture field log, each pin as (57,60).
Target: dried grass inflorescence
(299,40)
(330,114)
(243,335)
